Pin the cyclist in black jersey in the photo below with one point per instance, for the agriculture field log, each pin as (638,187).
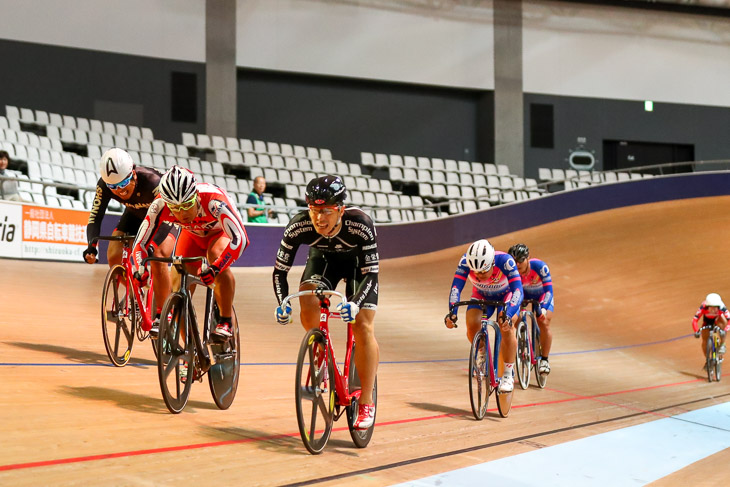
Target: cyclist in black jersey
(135,188)
(342,246)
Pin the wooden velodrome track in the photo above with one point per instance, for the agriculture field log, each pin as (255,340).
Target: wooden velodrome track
(627,283)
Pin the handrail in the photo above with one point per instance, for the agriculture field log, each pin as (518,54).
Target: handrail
(494,198)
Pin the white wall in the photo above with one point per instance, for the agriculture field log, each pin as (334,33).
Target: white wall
(173,29)
(347,40)
(569,49)
(626,53)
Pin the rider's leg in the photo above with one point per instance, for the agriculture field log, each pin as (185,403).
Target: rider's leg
(313,277)
(114,251)
(473,322)
(509,339)
(225,282)
(160,274)
(309,313)
(721,323)
(546,334)
(367,353)
(704,337)
(225,289)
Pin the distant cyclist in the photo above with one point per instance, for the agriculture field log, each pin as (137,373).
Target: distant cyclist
(342,246)
(494,277)
(538,286)
(211,227)
(712,311)
(135,187)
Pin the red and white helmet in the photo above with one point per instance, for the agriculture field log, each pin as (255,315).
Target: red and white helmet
(178,185)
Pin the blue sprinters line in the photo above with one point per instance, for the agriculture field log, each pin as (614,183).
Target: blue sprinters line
(391,362)
(624,346)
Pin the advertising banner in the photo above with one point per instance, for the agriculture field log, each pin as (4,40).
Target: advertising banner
(53,233)
(35,232)
(11,234)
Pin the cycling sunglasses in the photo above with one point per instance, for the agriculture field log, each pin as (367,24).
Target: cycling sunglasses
(323,210)
(184,206)
(121,184)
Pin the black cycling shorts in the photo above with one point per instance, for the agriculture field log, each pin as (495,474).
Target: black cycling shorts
(326,270)
(129,224)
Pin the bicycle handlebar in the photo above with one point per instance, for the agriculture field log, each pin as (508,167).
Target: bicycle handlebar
(712,327)
(176,260)
(483,303)
(114,238)
(312,292)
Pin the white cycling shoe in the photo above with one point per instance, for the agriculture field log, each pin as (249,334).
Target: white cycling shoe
(506,384)
(543,367)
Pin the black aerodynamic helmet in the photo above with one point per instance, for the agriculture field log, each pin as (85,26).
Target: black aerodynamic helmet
(519,252)
(326,191)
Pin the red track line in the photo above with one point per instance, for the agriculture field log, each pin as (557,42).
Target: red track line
(91,458)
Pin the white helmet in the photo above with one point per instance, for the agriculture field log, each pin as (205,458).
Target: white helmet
(714,299)
(178,185)
(480,256)
(115,166)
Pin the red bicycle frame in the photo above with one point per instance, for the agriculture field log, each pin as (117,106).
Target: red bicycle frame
(144,303)
(531,334)
(341,381)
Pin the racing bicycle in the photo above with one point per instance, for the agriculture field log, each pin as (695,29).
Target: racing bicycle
(323,391)
(125,307)
(484,375)
(529,350)
(713,362)
(185,353)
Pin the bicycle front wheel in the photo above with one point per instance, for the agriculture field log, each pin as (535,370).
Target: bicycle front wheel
(175,353)
(718,360)
(709,359)
(504,399)
(118,316)
(523,361)
(361,438)
(479,384)
(223,376)
(315,398)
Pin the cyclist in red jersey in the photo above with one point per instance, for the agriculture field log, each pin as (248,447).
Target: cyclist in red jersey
(712,311)
(211,226)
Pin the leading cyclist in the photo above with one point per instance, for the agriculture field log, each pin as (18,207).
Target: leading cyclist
(538,285)
(494,277)
(211,226)
(342,246)
(135,187)
(712,311)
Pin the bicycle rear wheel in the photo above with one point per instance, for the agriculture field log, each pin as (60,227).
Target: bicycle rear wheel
(479,385)
(523,362)
(541,378)
(174,349)
(223,376)
(118,316)
(361,438)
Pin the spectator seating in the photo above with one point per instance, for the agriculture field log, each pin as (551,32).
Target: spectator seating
(58,156)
